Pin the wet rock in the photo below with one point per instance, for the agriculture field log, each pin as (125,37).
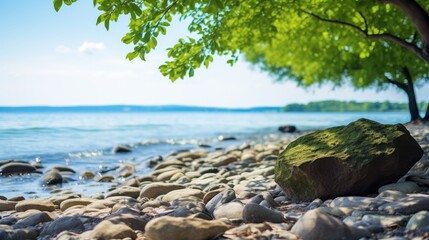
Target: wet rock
(63,169)
(66,223)
(121,149)
(418,221)
(52,177)
(16,198)
(16,168)
(404,187)
(253,213)
(287,129)
(316,225)
(352,155)
(153,190)
(184,228)
(105,178)
(39,204)
(87,175)
(226,138)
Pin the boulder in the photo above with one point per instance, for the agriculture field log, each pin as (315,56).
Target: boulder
(287,129)
(356,159)
(52,177)
(121,149)
(16,168)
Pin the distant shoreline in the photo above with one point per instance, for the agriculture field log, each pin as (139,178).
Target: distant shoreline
(314,107)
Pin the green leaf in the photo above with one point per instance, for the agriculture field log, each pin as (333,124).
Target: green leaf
(58,4)
(191,72)
(230,62)
(131,55)
(128,38)
(136,9)
(68,2)
(106,24)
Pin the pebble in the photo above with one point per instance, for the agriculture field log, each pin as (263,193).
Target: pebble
(404,187)
(187,192)
(408,205)
(75,201)
(254,213)
(39,204)
(66,223)
(133,192)
(109,230)
(7,205)
(221,198)
(33,220)
(383,220)
(231,210)
(357,202)
(153,190)
(316,225)
(180,228)
(418,221)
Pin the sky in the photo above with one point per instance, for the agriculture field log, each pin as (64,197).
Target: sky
(64,59)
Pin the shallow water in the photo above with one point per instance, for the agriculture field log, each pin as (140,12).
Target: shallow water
(84,141)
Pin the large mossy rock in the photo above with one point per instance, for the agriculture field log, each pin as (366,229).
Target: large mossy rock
(348,160)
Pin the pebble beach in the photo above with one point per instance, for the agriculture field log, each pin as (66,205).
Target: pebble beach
(226,193)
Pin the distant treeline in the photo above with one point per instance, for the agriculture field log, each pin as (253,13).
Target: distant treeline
(349,106)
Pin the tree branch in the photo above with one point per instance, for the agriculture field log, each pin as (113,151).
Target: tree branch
(402,86)
(382,36)
(418,16)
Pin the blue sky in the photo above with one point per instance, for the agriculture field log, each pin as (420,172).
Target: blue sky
(62,59)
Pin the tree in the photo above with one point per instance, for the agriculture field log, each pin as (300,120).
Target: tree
(370,43)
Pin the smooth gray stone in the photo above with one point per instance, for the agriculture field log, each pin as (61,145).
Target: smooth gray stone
(253,213)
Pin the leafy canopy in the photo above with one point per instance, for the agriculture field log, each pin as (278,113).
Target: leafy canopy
(288,38)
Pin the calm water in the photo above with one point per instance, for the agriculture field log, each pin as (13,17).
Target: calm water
(84,141)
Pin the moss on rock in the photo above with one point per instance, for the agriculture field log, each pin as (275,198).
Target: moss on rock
(314,164)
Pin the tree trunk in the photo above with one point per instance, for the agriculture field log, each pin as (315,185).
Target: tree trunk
(408,88)
(412,102)
(426,117)
(418,16)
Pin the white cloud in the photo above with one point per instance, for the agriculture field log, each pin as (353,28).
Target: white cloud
(91,47)
(62,49)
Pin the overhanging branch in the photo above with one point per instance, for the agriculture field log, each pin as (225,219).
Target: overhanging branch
(382,36)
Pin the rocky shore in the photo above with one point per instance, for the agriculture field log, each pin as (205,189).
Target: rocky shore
(222,194)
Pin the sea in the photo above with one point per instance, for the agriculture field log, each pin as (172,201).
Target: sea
(83,140)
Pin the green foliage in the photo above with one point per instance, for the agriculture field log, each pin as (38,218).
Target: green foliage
(348,106)
(282,37)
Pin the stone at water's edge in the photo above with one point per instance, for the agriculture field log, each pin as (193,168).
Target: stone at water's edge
(348,160)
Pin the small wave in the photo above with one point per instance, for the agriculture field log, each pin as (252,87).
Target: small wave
(79,129)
